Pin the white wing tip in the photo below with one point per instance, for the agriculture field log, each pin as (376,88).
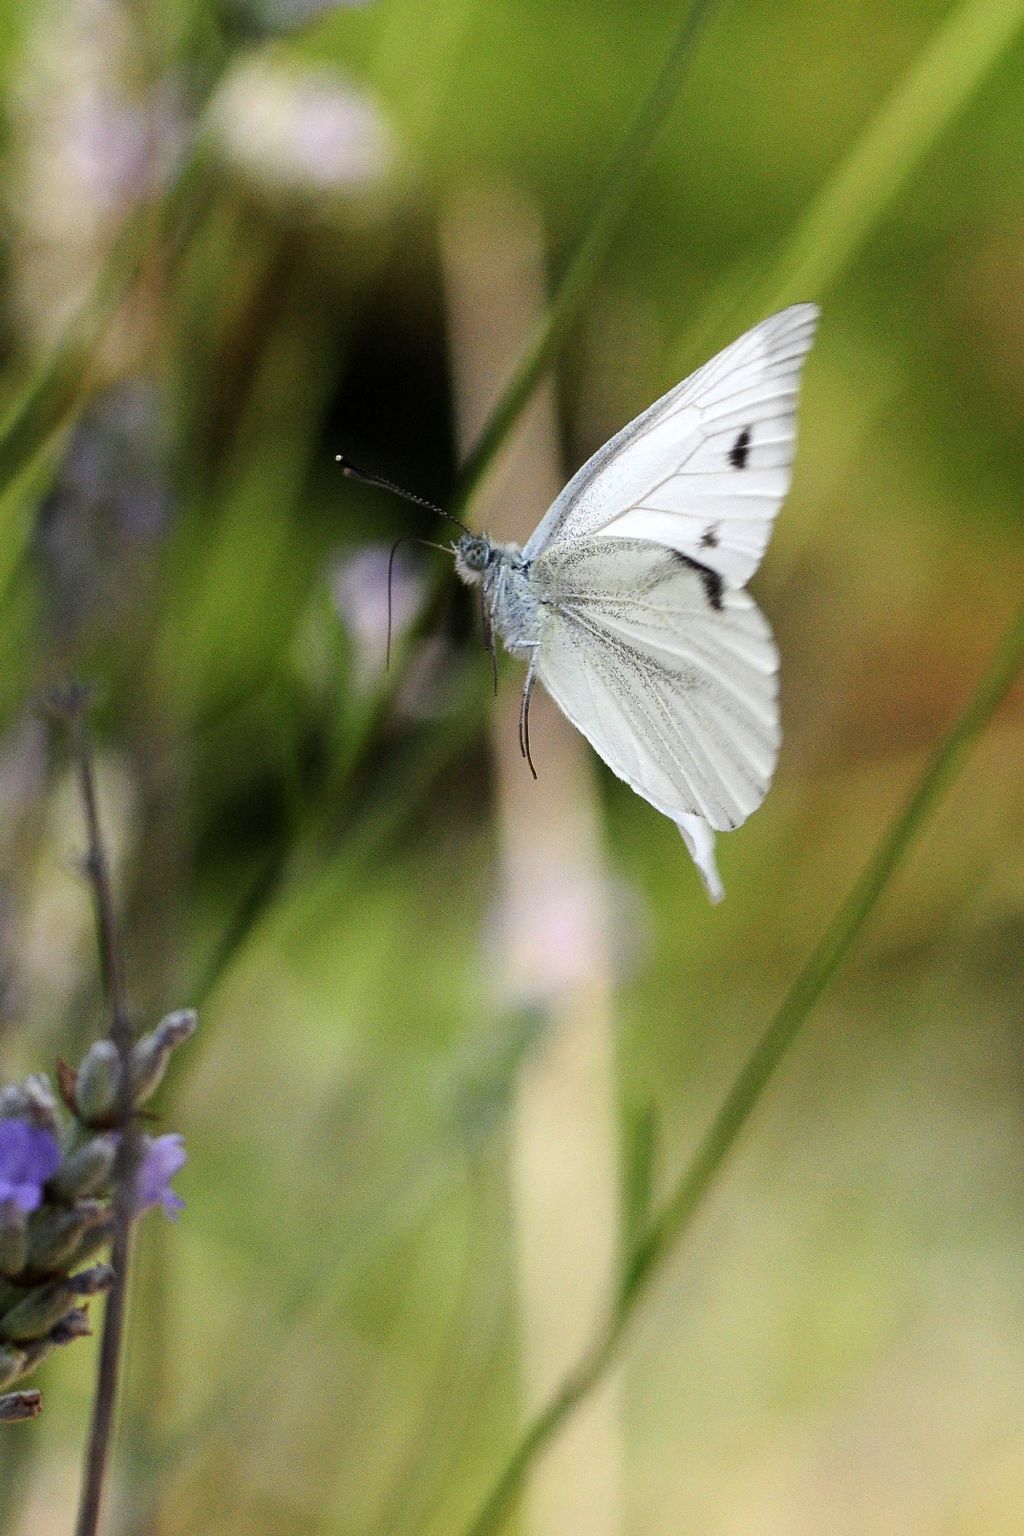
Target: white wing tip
(700,843)
(796,317)
(805,310)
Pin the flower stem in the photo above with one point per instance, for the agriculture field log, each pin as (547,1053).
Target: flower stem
(609,205)
(98,868)
(64,377)
(665,1231)
(73,704)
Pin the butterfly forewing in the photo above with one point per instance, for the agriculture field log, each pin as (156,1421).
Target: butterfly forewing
(705,469)
(672,683)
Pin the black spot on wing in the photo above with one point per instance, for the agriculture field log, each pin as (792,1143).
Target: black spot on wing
(710,580)
(709,538)
(739,450)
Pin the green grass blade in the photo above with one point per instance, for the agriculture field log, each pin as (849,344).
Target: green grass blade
(606,212)
(839,220)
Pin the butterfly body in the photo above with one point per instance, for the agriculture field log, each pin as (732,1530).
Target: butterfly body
(513,608)
(628,599)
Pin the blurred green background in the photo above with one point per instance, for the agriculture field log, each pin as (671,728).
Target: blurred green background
(328,1340)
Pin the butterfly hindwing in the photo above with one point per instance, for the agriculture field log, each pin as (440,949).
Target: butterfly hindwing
(673,684)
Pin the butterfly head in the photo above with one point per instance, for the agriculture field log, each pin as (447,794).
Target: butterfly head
(474,553)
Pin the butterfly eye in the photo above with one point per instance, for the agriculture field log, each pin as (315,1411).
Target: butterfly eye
(476,554)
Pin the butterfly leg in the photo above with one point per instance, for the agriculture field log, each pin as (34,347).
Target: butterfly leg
(524,711)
(489,638)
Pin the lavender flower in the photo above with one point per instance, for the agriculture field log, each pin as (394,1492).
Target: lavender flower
(29,1156)
(62,1198)
(110,504)
(58,1207)
(161,1158)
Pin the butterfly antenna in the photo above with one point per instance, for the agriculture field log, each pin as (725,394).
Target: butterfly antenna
(353,472)
(406,538)
(391,571)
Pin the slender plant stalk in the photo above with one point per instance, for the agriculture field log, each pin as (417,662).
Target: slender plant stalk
(97,868)
(664,1233)
(957,58)
(63,380)
(837,222)
(51,398)
(74,705)
(609,205)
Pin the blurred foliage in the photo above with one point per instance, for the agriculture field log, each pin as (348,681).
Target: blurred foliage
(326,1341)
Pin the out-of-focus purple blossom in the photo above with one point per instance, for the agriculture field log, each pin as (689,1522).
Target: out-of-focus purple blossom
(300,131)
(359,589)
(29,1156)
(109,504)
(161,1157)
(88,143)
(124,151)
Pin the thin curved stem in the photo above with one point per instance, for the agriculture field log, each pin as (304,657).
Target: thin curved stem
(73,704)
(664,1233)
(62,380)
(839,219)
(607,209)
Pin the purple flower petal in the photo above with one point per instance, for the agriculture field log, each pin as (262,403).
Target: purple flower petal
(29,1155)
(161,1158)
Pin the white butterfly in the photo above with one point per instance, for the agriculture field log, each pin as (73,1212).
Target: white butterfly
(628,599)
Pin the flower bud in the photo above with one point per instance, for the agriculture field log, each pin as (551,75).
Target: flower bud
(152,1053)
(38,1311)
(94,1240)
(74,1326)
(55,1234)
(37,1351)
(86,1171)
(13,1363)
(33,1100)
(10,1295)
(45,1306)
(92,1282)
(96,1087)
(19,1406)
(13,1239)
